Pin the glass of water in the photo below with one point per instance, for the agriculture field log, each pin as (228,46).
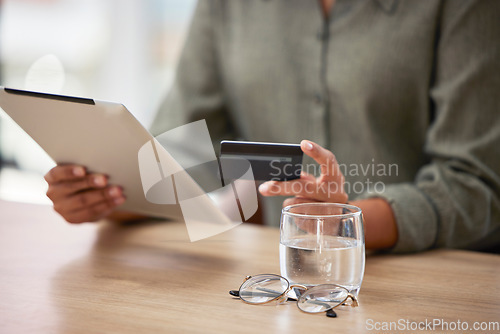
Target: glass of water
(323,243)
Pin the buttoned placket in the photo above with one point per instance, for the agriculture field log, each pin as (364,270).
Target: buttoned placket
(324,98)
(321,98)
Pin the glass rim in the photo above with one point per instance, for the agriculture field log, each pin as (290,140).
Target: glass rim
(355,209)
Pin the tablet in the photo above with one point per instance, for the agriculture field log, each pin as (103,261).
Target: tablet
(102,136)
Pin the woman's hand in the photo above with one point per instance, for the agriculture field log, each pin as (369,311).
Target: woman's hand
(328,187)
(381,230)
(80,196)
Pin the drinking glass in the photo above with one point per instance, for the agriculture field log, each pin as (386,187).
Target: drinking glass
(323,243)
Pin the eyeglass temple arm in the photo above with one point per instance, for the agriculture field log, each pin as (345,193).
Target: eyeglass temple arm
(354,300)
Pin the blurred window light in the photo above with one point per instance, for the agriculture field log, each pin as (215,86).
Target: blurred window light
(45,75)
(116,50)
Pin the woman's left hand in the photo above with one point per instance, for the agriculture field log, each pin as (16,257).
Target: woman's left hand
(328,187)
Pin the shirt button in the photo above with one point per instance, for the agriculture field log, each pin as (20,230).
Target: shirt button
(318,98)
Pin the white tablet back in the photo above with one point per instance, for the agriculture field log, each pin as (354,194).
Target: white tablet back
(103,136)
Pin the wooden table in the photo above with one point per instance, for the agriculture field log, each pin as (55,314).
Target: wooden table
(148,278)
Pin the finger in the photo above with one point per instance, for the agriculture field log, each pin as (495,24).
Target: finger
(325,158)
(324,191)
(273,188)
(91,214)
(65,189)
(63,173)
(112,195)
(298,200)
(307,176)
(299,187)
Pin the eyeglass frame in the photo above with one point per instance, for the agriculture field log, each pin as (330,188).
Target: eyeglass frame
(280,298)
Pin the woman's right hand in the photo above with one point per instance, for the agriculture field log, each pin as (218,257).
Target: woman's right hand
(80,196)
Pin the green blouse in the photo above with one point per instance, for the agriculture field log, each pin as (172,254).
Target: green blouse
(406,93)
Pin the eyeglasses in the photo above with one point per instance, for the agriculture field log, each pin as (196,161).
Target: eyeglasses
(265,288)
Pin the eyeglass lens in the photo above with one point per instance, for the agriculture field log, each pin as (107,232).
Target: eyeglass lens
(263,288)
(321,298)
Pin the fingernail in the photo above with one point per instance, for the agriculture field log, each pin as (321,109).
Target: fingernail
(100,181)
(114,192)
(307,145)
(78,171)
(264,188)
(119,200)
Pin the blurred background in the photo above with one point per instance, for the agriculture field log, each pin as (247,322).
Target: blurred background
(115,50)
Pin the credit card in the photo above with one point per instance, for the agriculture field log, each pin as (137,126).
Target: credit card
(269,161)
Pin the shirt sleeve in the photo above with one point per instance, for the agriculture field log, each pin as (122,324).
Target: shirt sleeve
(455,199)
(197,91)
